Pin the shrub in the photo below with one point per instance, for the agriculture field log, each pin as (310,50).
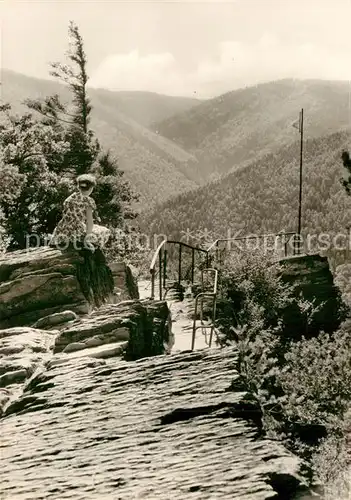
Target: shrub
(343,281)
(302,385)
(251,281)
(332,467)
(317,379)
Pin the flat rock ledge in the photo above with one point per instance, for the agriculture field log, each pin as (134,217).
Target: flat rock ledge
(166,427)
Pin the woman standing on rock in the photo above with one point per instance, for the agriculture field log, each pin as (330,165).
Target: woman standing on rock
(77,231)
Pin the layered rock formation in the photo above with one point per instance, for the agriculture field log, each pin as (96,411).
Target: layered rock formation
(43,309)
(313,281)
(132,330)
(125,284)
(168,427)
(35,283)
(143,327)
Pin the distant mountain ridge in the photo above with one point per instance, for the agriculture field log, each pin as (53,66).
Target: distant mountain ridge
(143,107)
(246,124)
(156,167)
(168,145)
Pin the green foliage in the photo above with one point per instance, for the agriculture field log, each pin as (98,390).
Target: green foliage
(331,465)
(318,387)
(85,153)
(113,193)
(302,389)
(343,281)
(347,164)
(4,238)
(11,182)
(76,77)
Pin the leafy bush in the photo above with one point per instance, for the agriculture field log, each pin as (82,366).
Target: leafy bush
(4,238)
(250,289)
(302,385)
(332,466)
(317,379)
(31,189)
(343,281)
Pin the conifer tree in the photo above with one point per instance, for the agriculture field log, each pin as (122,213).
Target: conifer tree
(40,158)
(113,194)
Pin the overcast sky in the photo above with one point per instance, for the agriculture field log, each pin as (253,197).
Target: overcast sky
(182,47)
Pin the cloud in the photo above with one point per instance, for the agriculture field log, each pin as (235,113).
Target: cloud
(133,71)
(233,65)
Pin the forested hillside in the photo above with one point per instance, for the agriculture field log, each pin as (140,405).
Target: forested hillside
(263,197)
(198,141)
(156,167)
(240,126)
(143,107)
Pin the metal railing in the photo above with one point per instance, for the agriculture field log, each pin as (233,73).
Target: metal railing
(202,296)
(211,264)
(160,264)
(172,253)
(213,256)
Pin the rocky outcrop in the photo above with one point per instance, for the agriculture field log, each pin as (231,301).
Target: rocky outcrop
(144,328)
(57,320)
(168,427)
(132,329)
(313,281)
(41,282)
(37,283)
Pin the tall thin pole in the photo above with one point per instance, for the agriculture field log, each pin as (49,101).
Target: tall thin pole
(300,190)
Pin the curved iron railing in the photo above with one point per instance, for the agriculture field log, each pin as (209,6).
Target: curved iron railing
(157,257)
(160,261)
(212,264)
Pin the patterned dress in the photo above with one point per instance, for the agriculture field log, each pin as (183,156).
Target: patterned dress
(73,225)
